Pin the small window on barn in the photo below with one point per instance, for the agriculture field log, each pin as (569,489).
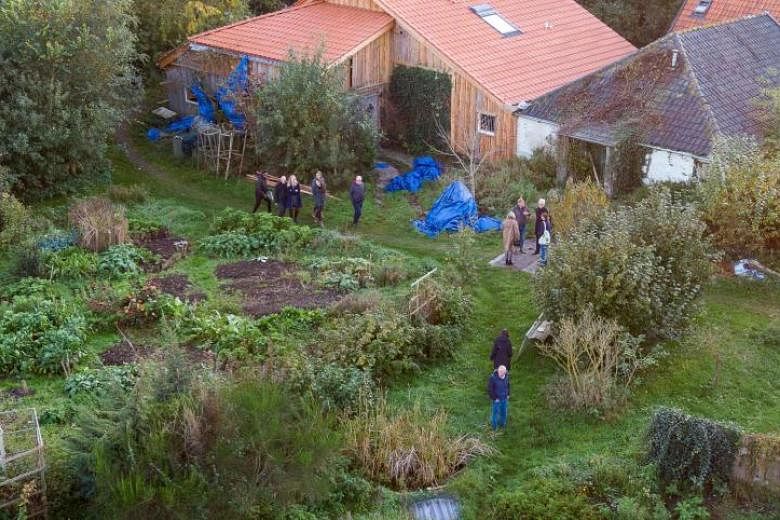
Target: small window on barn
(495,20)
(486,124)
(189,97)
(702,7)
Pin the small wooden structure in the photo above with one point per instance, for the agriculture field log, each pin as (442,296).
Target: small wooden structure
(22,463)
(422,296)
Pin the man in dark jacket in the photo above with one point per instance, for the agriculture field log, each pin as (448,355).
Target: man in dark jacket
(318,192)
(539,224)
(502,351)
(521,214)
(357,192)
(498,390)
(280,195)
(261,192)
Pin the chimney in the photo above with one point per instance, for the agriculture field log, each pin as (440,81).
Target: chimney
(675,53)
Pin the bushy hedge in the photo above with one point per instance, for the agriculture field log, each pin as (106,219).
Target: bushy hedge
(643,266)
(420,98)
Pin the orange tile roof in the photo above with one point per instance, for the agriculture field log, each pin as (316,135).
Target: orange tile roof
(515,68)
(302,28)
(721,11)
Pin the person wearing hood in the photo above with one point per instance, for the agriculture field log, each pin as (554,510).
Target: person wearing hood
(280,195)
(498,391)
(502,351)
(511,235)
(261,192)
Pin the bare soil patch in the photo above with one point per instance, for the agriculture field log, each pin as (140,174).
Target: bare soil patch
(270,286)
(177,285)
(20,391)
(123,353)
(167,247)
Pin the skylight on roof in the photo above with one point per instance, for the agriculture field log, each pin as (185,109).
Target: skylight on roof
(702,7)
(495,20)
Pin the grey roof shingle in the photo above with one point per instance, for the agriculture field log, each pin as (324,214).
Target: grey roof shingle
(720,73)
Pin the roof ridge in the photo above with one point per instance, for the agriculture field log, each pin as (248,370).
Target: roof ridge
(295,7)
(695,81)
(723,23)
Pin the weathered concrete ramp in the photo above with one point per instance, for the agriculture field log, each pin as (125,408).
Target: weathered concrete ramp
(436,508)
(527,262)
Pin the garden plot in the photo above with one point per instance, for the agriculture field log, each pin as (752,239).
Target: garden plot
(124,353)
(177,285)
(270,286)
(166,247)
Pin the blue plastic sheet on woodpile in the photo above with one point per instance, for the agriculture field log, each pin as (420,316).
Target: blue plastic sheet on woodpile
(453,210)
(236,84)
(175,127)
(485,224)
(424,169)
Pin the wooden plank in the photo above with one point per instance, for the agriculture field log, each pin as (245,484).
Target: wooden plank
(272,181)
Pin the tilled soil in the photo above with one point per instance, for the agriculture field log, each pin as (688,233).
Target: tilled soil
(20,391)
(177,285)
(164,245)
(268,287)
(123,353)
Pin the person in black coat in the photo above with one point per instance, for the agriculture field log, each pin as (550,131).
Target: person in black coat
(539,225)
(280,195)
(502,351)
(357,193)
(294,202)
(318,192)
(261,192)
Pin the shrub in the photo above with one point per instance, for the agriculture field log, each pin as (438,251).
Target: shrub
(336,388)
(358,303)
(231,338)
(307,121)
(27,261)
(143,227)
(502,184)
(73,263)
(134,194)
(420,101)
(31,286)
(643,266)
(41,336)
(58,241)
(544,499)
(410,449)
(95,381)
(742,209)
(100,223)
(542,168)
(121,261)
(578,202)
(348,274)
(16,221)
(146,304)
(691,451)
(599,361)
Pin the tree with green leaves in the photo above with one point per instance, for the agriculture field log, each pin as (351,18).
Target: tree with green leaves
(67,77)
(307,121)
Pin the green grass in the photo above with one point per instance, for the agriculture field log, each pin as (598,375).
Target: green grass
(728,368)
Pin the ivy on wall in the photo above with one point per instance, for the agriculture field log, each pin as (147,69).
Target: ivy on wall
(419,106)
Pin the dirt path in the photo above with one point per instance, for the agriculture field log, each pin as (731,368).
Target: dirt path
(124,141)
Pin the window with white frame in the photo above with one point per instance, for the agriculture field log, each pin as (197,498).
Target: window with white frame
(189,97)
(486,123)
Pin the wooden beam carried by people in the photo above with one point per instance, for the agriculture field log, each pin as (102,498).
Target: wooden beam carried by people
(272,181)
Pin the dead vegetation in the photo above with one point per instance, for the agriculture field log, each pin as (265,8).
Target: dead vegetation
(100,223)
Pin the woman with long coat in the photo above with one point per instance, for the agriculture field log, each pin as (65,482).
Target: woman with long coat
(511,235)
(280,195)
(502,351)
(294,202)
(318,192)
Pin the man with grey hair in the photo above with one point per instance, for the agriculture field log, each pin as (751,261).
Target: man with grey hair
(539,224)
(357,193)
(498,390)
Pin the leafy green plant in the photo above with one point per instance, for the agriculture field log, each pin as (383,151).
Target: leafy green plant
(41,336)
(349,274)
(140,226)
(121,261)
(238,233)
(57,241)
(232,338)
(691,451)
(27,262)
(95,381)
(692,508)
(544,499)
(39,287)
(134,194)
(502,184)
(73,263)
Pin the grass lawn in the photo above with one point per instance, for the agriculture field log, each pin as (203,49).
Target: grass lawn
(728,368)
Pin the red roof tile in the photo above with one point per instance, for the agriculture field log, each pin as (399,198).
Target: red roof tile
(514,68)
(721,11)
(301,28)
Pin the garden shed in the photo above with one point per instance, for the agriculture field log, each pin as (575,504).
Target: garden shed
(498,55)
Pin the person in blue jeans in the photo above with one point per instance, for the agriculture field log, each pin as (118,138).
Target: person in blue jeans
(498,390)
(544,240)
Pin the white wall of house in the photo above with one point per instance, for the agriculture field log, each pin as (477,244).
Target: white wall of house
(666,165)
(532,134)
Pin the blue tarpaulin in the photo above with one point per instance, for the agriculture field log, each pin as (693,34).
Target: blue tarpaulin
(424,169)
(205,106)
(180,125)
(453,210)
(237,83)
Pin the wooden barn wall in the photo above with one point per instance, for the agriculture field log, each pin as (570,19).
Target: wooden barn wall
(467,100)
(373,64)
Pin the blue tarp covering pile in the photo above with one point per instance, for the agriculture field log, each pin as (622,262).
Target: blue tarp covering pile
(424,169)
(237,82)
(454,209)
(176,127)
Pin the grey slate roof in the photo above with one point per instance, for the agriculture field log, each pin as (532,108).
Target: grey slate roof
(720,73)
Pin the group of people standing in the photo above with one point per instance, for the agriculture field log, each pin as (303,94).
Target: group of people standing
(514,225)
(287,196)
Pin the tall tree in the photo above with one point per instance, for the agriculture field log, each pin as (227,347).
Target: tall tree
(638,21)
(66,79)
